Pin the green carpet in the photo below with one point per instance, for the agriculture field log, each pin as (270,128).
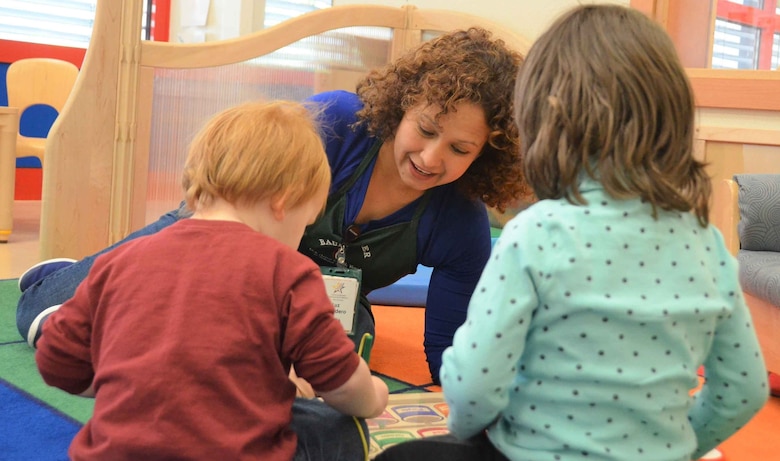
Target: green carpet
(17,364)
(38,422)
(17,361)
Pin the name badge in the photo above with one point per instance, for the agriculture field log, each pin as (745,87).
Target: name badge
(343,288)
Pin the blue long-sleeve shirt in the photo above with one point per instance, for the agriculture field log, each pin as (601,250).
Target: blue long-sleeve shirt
(586,331)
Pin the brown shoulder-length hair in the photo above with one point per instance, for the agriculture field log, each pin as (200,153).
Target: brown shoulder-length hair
(460,66)
(603,93)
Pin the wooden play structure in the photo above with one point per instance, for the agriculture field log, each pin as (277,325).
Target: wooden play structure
(9,127)
(119,146)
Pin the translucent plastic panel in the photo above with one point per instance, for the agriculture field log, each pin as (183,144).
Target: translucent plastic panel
(184,99)
(430,34)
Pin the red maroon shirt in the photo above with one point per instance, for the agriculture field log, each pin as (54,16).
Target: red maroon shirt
(188,336)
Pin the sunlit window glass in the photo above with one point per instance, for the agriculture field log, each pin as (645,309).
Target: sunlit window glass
(69,22)
(753,3)
(745,34)
(147,24)
(340,46)
(734,46)
(57,22)
(776,51)
(277,11)
(48,22)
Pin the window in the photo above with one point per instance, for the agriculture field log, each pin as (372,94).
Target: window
(341,46)
(277,11)
(61,22)
(776,51)
(735,46)
(69,22)
(48,22)
(147,21)
(746,35)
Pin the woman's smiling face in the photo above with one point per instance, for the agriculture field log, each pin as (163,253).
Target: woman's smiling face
(430,152)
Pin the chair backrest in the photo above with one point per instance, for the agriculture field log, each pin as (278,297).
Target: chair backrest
(40,81)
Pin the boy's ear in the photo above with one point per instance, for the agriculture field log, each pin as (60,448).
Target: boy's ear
(277,204)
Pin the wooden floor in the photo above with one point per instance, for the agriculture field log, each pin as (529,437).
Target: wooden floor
(757,441)
(21,250)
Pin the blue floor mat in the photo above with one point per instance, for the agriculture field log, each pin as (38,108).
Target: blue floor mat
(31,430)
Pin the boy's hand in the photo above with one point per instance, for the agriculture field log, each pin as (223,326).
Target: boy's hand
(304,388)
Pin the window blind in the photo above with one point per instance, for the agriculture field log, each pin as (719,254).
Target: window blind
(48,22)
(69,22)
(735,46)
(277,11)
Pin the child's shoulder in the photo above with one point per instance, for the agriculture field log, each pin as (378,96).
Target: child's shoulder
(537,218)
(544,211)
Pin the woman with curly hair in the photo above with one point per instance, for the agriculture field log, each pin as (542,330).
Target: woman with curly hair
(416,154)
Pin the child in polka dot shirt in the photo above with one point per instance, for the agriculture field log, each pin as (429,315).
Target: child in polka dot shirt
(601,301)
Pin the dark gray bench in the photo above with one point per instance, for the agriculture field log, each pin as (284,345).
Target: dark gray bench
(759,257)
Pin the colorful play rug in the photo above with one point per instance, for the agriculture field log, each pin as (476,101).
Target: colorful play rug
(408,416)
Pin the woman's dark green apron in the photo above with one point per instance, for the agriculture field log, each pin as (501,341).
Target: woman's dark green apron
(384,255)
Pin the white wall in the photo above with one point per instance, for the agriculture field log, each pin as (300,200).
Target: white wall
(527,17)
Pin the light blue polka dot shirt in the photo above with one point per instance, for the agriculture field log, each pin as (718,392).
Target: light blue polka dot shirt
(586,332)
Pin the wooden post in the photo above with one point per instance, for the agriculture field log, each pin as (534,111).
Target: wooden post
(87,175)
(9,128)
(690,23)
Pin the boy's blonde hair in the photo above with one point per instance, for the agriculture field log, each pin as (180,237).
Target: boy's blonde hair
(603,93)
(255,151)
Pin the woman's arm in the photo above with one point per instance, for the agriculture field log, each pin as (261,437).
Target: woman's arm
(458,249)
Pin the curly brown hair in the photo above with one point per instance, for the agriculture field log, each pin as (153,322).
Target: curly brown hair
(603,93)
(460,66)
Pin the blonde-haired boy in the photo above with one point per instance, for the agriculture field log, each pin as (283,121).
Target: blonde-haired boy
(186,337)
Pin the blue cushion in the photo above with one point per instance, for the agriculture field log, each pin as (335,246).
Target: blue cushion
(410,290)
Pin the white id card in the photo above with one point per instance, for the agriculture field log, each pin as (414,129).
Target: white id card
(343,288)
